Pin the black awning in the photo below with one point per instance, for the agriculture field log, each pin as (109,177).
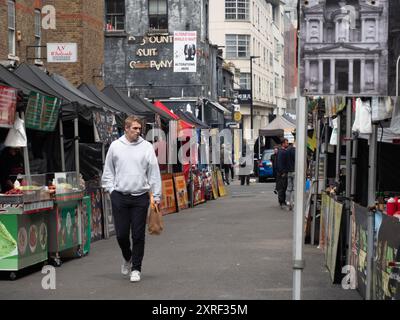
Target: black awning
(100,98)
(151,108)
(43,81)
(189,117)
(132,107)
(272,132)
(13,80)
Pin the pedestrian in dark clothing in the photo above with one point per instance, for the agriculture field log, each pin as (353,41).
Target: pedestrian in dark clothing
(131,171)
(291,161)
(281,173)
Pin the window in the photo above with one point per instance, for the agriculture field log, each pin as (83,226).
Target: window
(11,27)
(115,15)
(271,59)
(245,81)
(271,89)
(237,9)
(237,46)
(38,33)
(158,15)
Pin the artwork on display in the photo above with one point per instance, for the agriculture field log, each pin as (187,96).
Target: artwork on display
(181,191)
(359,242)
(168,202)
(344,47)
(199,192)
(214,184)
(322,224)
(97,214)
(109,227)
(185,48)
(332,239)
(386,279)
(8,106)
(106,130)
(221,186)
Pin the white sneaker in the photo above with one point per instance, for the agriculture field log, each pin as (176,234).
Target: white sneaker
(135,276)
(126,267)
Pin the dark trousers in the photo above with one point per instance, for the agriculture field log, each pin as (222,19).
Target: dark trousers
(226,172)
(130,214)
(281,186)
(244,178)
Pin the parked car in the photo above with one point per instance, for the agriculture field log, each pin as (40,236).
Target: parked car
(265,168)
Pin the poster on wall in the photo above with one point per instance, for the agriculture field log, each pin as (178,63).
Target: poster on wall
(185,48)
(168,202)
(105,127)
(386,279)
(181,191)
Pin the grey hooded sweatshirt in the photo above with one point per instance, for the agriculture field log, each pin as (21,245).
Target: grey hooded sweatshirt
(132,168)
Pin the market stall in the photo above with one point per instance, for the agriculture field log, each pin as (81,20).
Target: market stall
(24,214)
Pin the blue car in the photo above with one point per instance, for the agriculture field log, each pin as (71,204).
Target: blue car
(265,168)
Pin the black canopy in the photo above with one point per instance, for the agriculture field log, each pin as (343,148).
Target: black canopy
(189,117)
(101,99)
(123,100)
(13,80)
(71,103)
(151,108)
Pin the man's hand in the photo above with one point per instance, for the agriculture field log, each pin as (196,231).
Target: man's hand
(157,204)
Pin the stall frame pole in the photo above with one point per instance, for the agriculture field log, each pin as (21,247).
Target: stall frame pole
(338,148)
(76,138)
(326,152)
(27,167)
(371,203)
(61,128)
(316,186)
(298,221)
(348,177)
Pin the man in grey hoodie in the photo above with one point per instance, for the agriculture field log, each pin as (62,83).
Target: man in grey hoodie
(130,172)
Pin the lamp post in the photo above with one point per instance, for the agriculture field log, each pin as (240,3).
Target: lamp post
(251,93)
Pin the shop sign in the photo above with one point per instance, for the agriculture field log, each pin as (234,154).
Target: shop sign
(244,96)
(185,46)
(62,52)
(237,116)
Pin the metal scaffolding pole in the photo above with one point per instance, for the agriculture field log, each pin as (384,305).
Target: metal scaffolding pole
(326,152)
(298,221)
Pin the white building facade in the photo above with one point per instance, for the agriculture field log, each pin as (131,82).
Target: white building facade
(245,28)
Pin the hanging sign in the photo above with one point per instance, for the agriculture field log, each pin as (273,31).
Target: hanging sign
(62,52)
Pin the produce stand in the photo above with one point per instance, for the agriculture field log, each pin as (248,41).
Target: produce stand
(65,224)
(23,226)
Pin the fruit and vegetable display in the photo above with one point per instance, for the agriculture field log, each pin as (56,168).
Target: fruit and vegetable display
(14,192)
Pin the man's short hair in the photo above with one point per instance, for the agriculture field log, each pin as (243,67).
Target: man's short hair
(285,140)
(131,119)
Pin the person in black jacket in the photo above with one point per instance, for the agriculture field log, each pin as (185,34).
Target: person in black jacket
(281,173)
(291,161)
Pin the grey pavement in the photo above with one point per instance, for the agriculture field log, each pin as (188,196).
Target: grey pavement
(237,247)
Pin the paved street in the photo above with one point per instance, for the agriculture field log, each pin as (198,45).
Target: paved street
(238,247)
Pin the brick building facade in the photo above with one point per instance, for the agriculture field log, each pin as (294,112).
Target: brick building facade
(77,21)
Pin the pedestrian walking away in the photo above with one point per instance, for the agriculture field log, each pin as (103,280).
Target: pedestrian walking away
(291,157)
(131,171)
(281,173)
